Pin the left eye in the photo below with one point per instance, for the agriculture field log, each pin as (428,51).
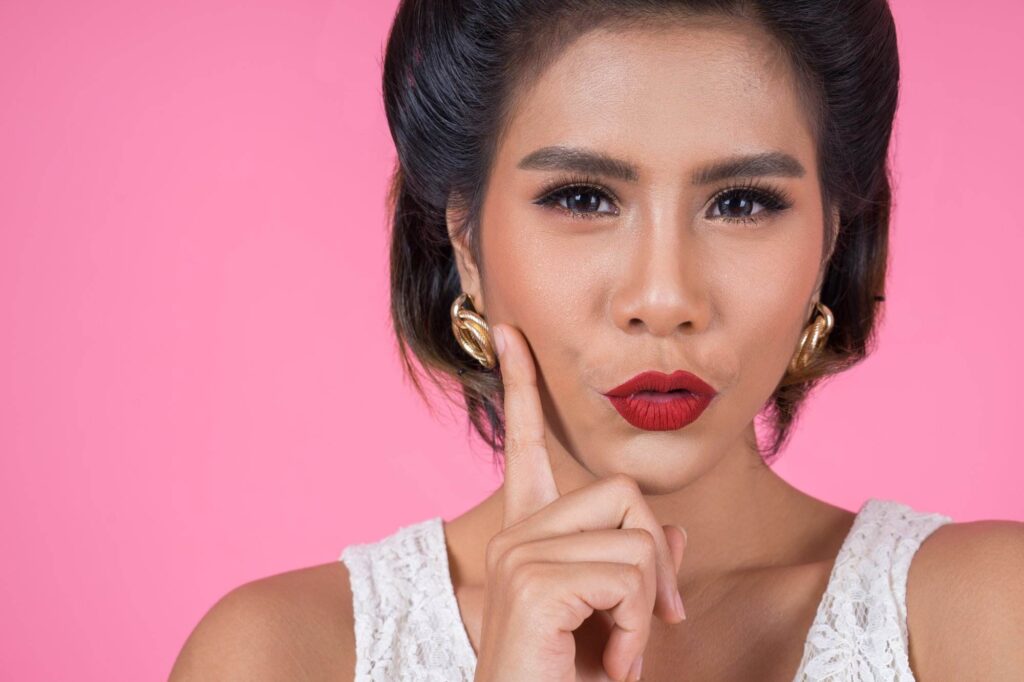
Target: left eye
(581,200)
(738,204)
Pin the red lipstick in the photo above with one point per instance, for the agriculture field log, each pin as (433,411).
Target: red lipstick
(655,401)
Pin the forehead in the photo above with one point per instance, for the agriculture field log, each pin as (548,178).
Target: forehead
(684,90)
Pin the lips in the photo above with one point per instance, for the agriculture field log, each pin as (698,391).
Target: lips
(662,383)
(655,401)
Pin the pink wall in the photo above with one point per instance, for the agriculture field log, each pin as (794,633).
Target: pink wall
(193,295)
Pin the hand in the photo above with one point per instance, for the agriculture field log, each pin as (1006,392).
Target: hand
(558,559)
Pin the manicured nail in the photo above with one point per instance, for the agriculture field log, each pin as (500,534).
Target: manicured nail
(683,531)
(499,340)
(634,672)
(679,606)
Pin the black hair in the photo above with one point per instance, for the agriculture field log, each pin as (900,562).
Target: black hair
(452,70)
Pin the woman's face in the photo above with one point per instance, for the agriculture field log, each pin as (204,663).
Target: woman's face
(651,266)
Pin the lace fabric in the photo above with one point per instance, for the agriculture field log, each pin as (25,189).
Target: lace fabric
(408,625)
(407,621)
(859,633)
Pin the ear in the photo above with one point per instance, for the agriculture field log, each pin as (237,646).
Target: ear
(469,273)
(833,228)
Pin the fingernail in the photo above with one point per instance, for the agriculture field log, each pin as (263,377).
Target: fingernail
(634,672)
(499,341)
(679,605)
(683,531)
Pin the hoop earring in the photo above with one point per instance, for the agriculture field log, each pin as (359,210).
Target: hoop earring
(813,339)
(472,332)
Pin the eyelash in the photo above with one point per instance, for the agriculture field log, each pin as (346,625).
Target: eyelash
(772,197)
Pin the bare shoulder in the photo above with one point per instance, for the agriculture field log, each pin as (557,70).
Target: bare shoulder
(296,625)
(965,603)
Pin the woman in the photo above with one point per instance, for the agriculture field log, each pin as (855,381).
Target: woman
(628,229)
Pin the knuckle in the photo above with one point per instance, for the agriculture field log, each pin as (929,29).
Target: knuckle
(526,581)
(516,443)
(513,383)
(497,554)
(643,543)
(510,383)
(624,485)
(509,559)
(494,551)
(518,379)
(632,577)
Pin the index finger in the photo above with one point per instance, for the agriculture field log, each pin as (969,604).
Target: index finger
(529,483)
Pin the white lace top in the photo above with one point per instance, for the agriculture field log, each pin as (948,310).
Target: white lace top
(408,625)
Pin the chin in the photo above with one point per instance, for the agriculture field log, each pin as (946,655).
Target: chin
(657,470)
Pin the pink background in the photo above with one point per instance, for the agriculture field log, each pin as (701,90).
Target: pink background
(193,289)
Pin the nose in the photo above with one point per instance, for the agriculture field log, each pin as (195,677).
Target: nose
(664,287)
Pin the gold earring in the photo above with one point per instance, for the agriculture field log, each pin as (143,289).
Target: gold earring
(472,332)
(813,339)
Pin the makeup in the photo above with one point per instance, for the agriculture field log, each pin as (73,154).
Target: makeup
(655,401)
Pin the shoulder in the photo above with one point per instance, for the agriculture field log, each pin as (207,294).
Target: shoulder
(965,602)
(294,625)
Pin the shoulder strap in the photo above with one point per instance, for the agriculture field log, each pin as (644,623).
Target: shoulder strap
(402,603)
(860,629)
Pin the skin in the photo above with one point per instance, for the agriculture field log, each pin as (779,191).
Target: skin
(662,285)
(659,280)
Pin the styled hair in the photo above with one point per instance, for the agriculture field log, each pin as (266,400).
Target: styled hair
(452,72)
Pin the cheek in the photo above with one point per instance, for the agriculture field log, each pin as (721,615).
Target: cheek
(537,281)
(763,298)
(532,278)
(535,276)
(525,277)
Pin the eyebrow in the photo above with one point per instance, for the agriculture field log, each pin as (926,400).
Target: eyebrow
(587,161)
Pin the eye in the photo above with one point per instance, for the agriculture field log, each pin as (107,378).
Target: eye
(579,199)
(736,205)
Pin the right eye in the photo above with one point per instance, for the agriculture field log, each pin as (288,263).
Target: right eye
(580,201)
